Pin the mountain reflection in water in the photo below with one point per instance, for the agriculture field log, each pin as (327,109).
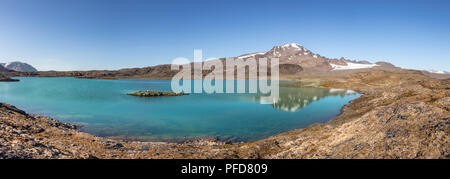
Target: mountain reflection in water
(293,99)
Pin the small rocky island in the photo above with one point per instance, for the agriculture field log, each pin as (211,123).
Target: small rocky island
(155,93)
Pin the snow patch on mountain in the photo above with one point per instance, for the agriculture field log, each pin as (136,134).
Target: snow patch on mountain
(352,66)
(251,55)
(292,45)
(439,71)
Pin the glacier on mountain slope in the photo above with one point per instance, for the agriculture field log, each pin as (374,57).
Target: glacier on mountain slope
(251,55)
(293,45)
(439,71)
(352,66)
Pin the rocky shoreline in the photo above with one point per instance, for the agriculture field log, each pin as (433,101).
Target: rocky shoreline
(401,114)
(7,79)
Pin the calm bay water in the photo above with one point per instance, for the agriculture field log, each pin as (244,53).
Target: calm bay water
(104,109)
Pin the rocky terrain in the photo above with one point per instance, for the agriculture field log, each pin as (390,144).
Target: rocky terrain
(401,114)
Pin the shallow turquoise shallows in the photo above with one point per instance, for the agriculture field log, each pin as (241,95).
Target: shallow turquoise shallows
(103,108)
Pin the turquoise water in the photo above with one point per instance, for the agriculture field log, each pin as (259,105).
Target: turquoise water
(104,109)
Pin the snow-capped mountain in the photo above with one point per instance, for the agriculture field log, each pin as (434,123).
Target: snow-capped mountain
(19,66)
(295,54)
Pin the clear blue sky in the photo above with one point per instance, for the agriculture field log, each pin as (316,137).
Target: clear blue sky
(113,34)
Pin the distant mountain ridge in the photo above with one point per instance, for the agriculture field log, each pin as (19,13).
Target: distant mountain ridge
(18,66)
(294,60)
